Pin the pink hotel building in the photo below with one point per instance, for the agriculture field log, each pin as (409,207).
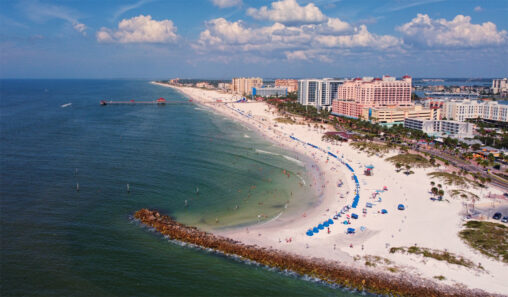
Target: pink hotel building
(355,95)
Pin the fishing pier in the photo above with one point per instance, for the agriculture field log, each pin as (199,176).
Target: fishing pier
(160,101)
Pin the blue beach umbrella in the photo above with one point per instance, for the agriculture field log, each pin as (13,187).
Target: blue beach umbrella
(309,233)
(325,223)
(315,230)
(330,221)
(320,226)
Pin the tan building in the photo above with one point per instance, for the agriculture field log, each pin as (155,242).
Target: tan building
(244,85)
(392,114)
(290,84)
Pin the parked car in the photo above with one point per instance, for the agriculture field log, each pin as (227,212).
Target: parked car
(497,216)
(505,219)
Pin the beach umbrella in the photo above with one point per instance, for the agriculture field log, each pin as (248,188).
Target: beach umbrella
(369,166)
(315,230)
(330,222)
(320,226)
(350,230)
(325,223)
(310,233)
(383,211)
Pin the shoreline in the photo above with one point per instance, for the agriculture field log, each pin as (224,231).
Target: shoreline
(423,223)
(330,272)
(308,163)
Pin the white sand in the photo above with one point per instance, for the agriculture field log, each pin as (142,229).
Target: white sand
(424,222)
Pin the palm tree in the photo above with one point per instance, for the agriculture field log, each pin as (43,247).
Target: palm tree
(440,193)
(432,183)
(434,191)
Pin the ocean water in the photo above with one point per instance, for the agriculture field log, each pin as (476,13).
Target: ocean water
(57,241)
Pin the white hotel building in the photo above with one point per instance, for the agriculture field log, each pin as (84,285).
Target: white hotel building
(461,110)
(435,128)
(318,92)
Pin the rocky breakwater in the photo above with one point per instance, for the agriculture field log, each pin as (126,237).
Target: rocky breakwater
(377,282)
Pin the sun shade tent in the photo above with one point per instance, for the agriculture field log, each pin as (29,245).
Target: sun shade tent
(383,211)
(401,207)
(350,230)
(354,216)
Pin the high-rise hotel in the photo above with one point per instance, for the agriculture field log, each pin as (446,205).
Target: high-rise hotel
(353,96)
(318,92)
(243,85)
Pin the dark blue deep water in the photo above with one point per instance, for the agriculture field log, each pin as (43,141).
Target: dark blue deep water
(56,241)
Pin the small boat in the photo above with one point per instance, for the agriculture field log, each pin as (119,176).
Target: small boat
(66,105)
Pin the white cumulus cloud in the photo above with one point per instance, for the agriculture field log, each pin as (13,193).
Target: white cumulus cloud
(140,29)
(294,42)
(360,38)
(81,28)
(226,3)
(459,32)
(289,12)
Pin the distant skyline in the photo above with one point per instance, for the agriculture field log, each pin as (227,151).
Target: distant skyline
(219,39)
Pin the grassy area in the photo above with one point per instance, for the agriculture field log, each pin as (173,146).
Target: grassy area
(412,160)
(371,148)
(490,239)
(439,277)
(453,179)
(285,121)
(466,195)
(437,255)
(374,261)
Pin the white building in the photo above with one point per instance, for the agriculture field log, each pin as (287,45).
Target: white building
(318,92)
(442,128)
(270,92)
(500,86)
(461,110)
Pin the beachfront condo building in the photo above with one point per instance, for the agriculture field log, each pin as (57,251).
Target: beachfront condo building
(270,92)
(500,86)
(442,128)
(359,93)
(462,110)
(244,85)
(290,84)
(318,92)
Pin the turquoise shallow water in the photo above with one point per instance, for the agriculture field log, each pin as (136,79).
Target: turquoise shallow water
(56,241)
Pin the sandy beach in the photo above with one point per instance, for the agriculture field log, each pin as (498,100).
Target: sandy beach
(424,223)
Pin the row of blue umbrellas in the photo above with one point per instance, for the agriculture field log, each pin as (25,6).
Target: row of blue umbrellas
(327,223)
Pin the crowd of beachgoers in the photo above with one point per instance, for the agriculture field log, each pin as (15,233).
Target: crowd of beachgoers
(366,235)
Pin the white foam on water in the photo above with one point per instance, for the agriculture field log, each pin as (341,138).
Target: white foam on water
(301,178)
(293,160)
(266,152)
(246,136)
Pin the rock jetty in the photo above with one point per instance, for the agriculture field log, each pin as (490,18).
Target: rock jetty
(376,282)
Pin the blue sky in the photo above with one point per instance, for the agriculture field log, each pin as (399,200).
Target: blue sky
(226,38)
